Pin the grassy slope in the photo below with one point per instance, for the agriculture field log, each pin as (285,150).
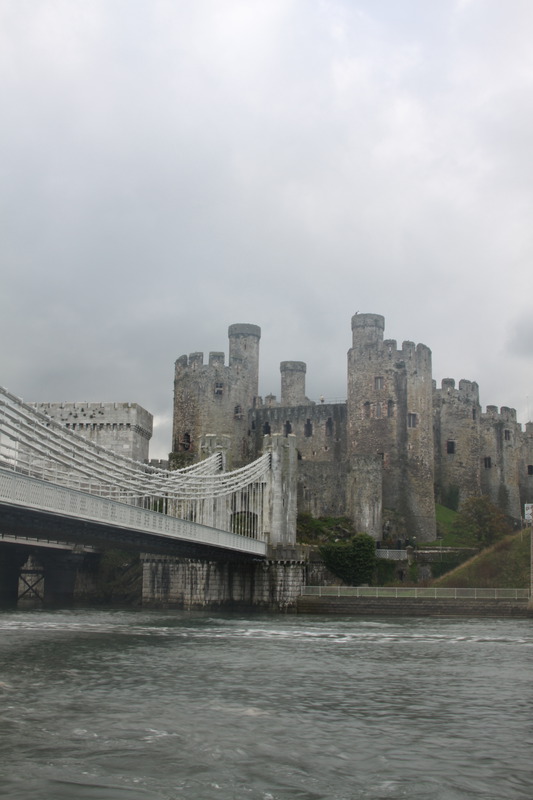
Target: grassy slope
(505,565)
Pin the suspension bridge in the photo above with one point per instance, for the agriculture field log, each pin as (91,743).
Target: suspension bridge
(56,485)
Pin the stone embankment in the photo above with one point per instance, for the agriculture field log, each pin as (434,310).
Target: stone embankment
(413,607)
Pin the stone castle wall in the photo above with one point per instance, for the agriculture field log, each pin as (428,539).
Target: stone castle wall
(385,455)
(214,398)
(390,415)
(124,428)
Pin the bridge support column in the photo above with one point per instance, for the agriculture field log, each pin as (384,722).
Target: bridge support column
(272,585)
(281,502)
(11,561)
(60,571)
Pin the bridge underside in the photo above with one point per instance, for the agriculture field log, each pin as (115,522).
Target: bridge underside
(46,525)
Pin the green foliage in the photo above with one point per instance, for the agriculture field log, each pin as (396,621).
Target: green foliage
(312,530)
(385,572)
(445,520)
(506,565)
(481,521)
(352,561)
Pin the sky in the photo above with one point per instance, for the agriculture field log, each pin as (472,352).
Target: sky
(169,168)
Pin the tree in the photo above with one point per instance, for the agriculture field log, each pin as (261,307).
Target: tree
(482,521)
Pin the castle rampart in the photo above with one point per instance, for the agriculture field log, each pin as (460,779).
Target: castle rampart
(124,428)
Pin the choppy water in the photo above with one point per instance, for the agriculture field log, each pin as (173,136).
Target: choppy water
(159,705)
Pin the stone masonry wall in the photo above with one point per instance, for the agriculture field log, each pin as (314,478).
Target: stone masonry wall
(124,428)
(390,412)
(184,583)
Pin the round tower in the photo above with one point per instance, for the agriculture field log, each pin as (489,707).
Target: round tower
(244,344)
(367,330)
(244,359)
(293,383)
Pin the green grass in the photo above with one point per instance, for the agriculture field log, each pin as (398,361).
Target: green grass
(505,565)
(449,537)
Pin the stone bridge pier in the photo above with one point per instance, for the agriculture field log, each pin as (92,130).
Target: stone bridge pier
(271,585)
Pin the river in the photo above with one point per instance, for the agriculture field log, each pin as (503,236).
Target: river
(161,705)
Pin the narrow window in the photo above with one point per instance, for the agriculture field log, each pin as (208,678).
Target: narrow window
(329,427)
(266,429)
(507,435)
(450,447)
(378,410)
(473,413)
(308,428)
(487,462)
(390,408)
(237,412)
(219,388)
(412,421)
(366,410)
(378,383)
(288,428)
(530,469)
(186,442)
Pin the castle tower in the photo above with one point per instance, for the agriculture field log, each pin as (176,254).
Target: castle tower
(124,428)
(500,460)
(214,398)
(293,383)
(244,362)
(457,420)
(526,466)
(390,418)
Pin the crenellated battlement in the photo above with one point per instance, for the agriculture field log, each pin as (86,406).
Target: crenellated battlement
(125,428)
(504,414)
(468,391)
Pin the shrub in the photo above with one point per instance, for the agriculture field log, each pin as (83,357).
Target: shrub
(353,561)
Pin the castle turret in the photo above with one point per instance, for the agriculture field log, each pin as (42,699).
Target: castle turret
(214,398)
(367,331)
(457,416)
(390,418)
(293,383)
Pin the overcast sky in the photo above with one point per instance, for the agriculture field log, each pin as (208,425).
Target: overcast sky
(170,167)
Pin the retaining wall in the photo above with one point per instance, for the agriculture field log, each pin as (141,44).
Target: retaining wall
(412,607)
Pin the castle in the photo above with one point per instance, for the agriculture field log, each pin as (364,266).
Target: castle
(123,428)
(382,458)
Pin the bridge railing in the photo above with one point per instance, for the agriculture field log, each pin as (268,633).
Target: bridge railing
(36,446)
(41,495)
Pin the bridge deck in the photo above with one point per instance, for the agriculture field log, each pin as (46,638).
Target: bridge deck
(32,507)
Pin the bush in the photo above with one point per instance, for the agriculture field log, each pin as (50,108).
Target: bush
(353,561)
